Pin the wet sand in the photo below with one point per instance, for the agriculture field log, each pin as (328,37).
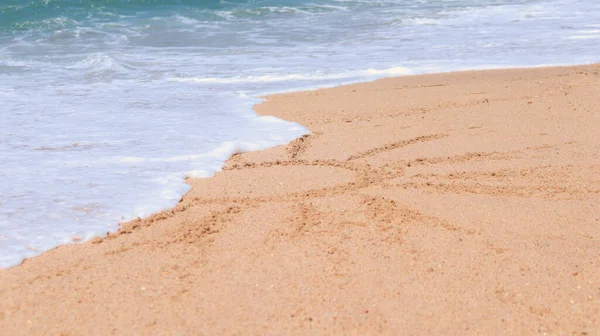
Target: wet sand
(459,203)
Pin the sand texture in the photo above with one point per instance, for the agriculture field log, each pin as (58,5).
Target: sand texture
(460,204)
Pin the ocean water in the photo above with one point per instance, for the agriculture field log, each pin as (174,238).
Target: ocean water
(107,105)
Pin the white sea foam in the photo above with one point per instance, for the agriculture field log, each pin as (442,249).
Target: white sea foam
(586,34)
(362,74)
(583,37)
(421,21)
(97,62)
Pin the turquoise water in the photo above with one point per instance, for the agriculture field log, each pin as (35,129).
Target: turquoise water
(107,105)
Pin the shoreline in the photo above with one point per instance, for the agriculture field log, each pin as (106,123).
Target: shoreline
(410,73)
(398,188)
(77,239)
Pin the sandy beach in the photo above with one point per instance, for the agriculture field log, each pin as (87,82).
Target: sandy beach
(461,203)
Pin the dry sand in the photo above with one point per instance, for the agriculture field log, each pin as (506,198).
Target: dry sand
(461,203)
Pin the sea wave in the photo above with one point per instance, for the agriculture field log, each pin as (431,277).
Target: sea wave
(393,71)
(61,14)
(97,62)
(421,21)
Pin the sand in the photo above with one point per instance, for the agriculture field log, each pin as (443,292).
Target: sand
(461,203)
